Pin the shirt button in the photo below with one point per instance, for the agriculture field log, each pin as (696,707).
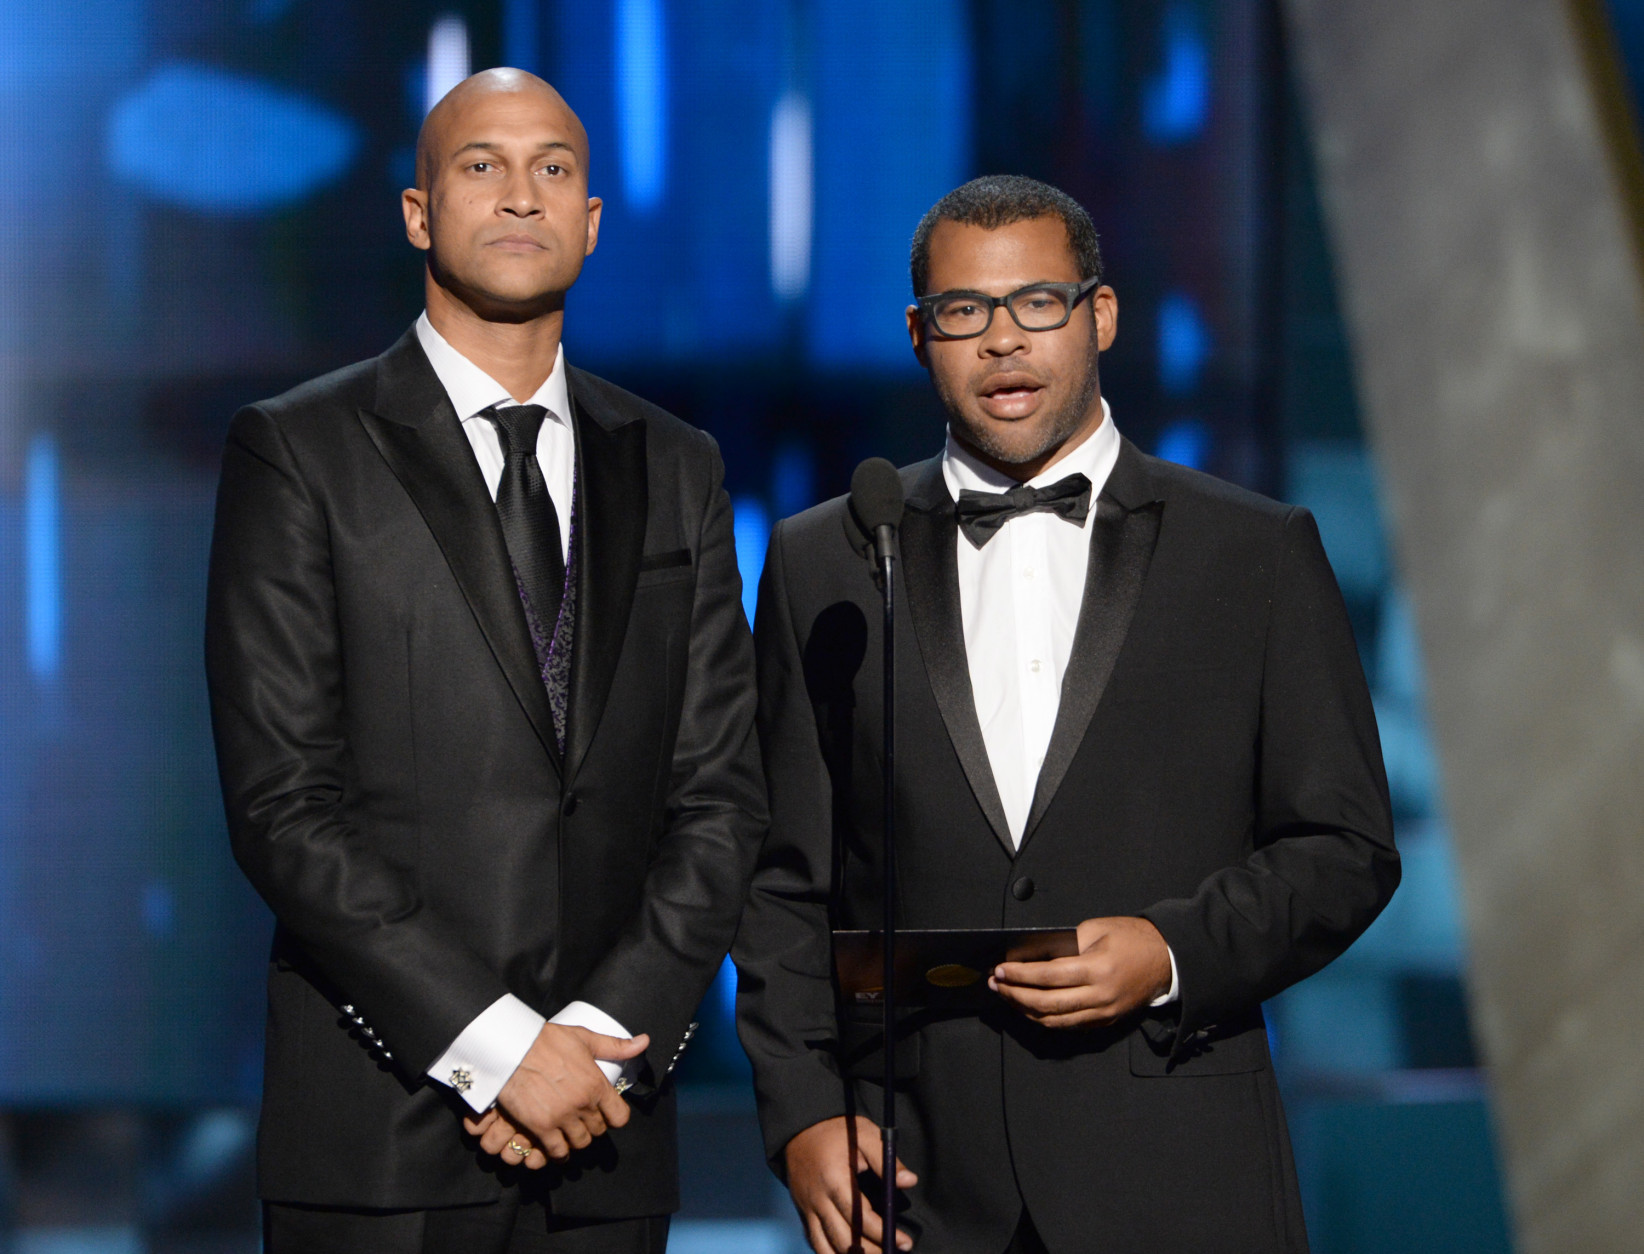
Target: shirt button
(1034,666)
(1028,572)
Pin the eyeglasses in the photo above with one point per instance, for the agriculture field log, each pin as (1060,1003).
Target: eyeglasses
(1038,307)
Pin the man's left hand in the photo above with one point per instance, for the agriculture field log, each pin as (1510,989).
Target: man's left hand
(499,1136)
(1122,963)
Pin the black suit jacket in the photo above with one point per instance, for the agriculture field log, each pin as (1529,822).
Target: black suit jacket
(395,792)
(1214,768)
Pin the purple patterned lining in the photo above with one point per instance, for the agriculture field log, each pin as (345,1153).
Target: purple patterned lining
(554,653)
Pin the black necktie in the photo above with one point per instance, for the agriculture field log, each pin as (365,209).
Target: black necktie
(529,523)
(981,514)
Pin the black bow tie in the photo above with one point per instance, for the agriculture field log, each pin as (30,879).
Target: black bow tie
(981,514)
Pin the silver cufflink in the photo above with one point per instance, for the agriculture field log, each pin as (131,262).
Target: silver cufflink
(462,1079)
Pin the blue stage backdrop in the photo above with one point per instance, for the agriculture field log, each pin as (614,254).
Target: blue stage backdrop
(201,209)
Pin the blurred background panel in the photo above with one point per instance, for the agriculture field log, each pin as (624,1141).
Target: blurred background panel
(200,209)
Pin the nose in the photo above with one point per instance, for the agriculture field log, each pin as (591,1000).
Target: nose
(520,197)
(1003,337)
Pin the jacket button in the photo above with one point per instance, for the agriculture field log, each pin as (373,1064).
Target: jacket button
(1022,889)
(570,806)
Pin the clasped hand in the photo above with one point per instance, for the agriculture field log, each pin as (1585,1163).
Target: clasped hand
(1123,963)
(557,1100)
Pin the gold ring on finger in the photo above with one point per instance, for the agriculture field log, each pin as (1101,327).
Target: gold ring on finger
(523,1151)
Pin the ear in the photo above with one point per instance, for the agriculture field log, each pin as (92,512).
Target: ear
(595,205)
(1104,307)
(916,333)
(414,205)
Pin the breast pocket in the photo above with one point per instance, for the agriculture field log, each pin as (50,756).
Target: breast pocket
(1183,685)
(673,566)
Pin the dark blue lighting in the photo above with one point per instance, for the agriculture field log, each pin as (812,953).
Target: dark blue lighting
(702,256)
(213,142)
(1176,100)
(1184,344)
(1185,442)
(522,34)
(159,908)
(874,66)
(793,479)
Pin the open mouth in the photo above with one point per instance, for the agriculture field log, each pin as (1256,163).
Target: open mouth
(1010,396)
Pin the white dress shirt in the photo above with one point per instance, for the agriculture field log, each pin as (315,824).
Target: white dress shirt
(1019,600)
(490,1048)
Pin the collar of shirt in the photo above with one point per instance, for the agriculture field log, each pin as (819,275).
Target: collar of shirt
(472,390)
(1094,459)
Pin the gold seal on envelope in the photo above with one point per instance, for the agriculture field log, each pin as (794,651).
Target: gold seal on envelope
(952,975)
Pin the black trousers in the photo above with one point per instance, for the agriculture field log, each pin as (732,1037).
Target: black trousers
(508,1226)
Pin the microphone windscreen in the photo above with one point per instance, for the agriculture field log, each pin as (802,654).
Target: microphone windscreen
(876,495)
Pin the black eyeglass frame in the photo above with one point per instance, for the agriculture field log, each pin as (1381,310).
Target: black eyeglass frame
(1073,293)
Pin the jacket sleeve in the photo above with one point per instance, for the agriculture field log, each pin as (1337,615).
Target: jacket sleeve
(655,975)
(1323,863)
(274,667)
(785,999)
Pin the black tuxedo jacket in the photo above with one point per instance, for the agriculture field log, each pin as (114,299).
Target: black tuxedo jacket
(396,794)
(1214,768)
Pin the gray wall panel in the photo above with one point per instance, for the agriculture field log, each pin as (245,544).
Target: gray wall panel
(1473,188)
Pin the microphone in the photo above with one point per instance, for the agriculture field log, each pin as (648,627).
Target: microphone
(875,513)
(876,506)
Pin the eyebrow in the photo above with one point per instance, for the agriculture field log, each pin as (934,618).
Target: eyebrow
(487,145)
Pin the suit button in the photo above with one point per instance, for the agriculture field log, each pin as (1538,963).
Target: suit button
(570,806)
(1022,889)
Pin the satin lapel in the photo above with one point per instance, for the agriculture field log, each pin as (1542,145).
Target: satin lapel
(930,573)
(417,432)
(1127,527)
(612,506)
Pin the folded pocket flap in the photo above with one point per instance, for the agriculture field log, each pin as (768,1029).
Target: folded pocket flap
(1220,1050)
(662,561)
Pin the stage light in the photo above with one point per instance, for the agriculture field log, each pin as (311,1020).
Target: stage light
(642,101)
(790,196)
(447,59)
(42,554)
(1186,442)
(1184,344)
(1176,101)
(214,142)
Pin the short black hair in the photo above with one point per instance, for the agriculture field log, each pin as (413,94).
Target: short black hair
(997,200)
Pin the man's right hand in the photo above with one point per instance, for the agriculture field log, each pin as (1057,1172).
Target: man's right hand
(823,1162)
(560,1096)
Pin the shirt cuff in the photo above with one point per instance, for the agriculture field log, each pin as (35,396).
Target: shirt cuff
(487,1051)
(581,1014)
(1175,983)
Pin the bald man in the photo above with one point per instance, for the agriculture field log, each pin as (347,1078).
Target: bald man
(483,699)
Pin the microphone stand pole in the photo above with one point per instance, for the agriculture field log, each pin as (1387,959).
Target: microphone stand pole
(886,554)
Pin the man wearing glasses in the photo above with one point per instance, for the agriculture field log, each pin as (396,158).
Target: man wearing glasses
(1130,704)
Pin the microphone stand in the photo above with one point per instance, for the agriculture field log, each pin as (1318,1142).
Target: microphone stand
(884,546)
